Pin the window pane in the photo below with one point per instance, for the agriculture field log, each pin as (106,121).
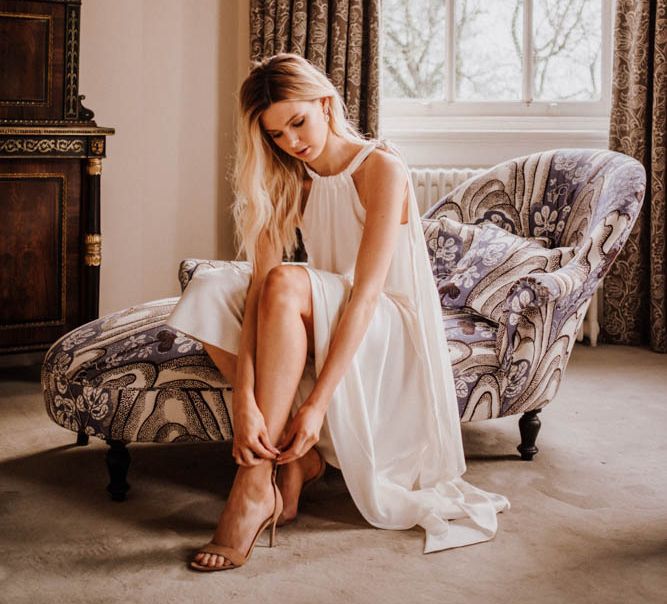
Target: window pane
(489,50)
(413,63)
(567,49)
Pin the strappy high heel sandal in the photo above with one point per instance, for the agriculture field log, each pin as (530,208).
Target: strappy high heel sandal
(233,555)
(306,485)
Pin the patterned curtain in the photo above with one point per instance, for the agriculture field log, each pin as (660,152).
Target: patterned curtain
(635,307)
(341,37)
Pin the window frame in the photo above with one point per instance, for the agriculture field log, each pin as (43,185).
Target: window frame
(397,116)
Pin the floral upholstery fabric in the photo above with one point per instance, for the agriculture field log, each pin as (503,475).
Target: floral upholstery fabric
(128,376)
(480,280)
(447,242)
(581,198)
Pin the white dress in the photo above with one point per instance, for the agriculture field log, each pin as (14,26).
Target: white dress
(392,426)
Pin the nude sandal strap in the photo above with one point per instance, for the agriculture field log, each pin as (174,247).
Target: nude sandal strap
(233,555)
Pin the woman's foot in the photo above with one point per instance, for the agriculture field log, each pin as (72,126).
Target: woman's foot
(291,479)
(251,501)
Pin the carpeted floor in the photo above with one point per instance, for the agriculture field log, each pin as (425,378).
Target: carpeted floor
(588,521)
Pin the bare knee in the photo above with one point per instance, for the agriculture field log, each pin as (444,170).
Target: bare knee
(285,288)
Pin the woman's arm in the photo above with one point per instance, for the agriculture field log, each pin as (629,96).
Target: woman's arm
(386,186)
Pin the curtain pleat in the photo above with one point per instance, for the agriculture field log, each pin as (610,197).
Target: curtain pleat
(634,299)
(341,37)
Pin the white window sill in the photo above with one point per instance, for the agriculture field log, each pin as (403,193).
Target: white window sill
(482,141)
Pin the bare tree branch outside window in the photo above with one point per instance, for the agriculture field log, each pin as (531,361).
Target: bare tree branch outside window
(414,48)
(489,48)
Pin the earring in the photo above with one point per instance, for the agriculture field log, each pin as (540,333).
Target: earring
(326,115)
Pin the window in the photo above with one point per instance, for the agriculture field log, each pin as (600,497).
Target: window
(472,64)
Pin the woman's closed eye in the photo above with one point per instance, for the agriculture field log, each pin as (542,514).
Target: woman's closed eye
(295,124)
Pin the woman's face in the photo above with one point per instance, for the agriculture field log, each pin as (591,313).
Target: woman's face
(297,127)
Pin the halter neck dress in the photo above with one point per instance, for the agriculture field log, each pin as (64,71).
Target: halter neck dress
(392,426)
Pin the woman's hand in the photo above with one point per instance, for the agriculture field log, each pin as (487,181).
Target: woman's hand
(251,442)
(303,432)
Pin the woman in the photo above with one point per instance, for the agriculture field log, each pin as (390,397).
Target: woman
(350,345)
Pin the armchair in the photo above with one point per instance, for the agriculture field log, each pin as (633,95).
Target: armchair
(584,198)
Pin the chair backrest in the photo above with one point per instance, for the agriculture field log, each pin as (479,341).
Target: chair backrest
(588,199)
(562,194)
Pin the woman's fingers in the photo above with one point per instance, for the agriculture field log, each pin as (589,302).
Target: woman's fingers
(238,457)
(243,456)
(266,443)
(286,440)
(298,449)
(260,450)
(247,456)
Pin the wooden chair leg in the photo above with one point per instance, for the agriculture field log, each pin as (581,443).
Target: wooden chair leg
(118,463)
(529,426)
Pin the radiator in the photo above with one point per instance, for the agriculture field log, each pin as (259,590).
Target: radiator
(432,184)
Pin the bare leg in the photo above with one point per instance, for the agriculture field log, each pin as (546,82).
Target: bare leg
(292,475)
(284,333)
(224,361)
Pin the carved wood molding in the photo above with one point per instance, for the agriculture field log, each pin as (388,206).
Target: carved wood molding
(72,63)
(93,250)
(42,146)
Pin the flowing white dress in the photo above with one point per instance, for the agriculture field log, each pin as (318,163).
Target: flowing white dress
(392,426)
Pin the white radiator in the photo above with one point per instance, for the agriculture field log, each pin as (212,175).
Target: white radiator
(432,184)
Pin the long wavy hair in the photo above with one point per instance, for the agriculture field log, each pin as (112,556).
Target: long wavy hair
(268,182)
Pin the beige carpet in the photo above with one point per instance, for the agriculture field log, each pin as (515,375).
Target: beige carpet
(588,521)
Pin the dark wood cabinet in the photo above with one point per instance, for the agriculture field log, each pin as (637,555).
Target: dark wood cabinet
(51,153)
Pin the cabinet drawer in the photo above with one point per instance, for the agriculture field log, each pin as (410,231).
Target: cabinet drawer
(40,257)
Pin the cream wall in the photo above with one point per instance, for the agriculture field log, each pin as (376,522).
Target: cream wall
(164,74)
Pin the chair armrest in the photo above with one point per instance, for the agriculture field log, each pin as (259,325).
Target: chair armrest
(191,266)
(540,309)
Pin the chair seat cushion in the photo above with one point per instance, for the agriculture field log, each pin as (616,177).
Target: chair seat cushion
(128,376)
(472,347)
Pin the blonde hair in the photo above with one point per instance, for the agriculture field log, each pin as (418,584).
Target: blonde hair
(268,182)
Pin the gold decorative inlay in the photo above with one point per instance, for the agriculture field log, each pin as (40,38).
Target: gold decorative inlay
(94,166)
(23,130)
(97,146)
(43,145)
(93,250)
(42,102)
(71,62)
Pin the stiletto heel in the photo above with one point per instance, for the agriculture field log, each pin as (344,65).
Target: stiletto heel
(272,538)
(233,555)
(276,513)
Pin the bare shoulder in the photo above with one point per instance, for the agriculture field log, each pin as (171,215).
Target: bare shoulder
(385,161)
(381,169)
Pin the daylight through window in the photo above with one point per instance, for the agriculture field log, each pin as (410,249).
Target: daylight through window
(463,51)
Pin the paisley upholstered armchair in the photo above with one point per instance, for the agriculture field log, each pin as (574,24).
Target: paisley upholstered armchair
(128,377)
(581,201)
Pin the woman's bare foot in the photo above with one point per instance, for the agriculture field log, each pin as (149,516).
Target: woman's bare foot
(291,479)
(250,503)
